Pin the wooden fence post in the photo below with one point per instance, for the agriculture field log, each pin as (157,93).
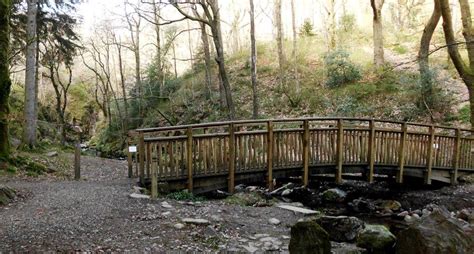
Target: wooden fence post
(306,153)
(270,155)
(129,159)
(231,183)
(401,155)
(371,152)
(340,147)
(189,159)
(141,158)
(77,162)
(456,157)
(429,159)
(148,160)
(154,175)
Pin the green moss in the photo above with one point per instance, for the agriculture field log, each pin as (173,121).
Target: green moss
(184,196)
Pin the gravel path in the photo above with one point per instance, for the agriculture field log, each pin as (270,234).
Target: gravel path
(97,214)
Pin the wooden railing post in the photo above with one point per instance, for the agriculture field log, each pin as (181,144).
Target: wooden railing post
(141,157)
(401,155)
(456,157)
(129,158)
(270,155)
(371,153)
(340,147)
(189,158)
(231,183)
(148,160)
(305,152)
(429,159)
(154,176)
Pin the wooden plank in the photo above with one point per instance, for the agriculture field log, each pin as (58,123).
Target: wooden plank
(154,174)
(371,152)
(189,158)
(231,161)
(401,153)
(340,149)
(147,159)
(141,158)
(129,159)
(270,155)
(306,153)
(429,156)
(456,154)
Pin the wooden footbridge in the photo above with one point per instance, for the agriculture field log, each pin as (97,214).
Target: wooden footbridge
(208,156)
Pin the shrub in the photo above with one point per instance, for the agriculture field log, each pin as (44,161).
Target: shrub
(340,70)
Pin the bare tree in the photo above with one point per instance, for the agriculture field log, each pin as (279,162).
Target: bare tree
(213,20)
(279,39)
(295,47)
(31,100)
(378,32)
(464,69)
(253,68)
(119,47)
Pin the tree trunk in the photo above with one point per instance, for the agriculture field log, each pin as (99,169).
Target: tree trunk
(464,70)
(295,37)
(253,66)
(332,24)
(218,43)
(378,32)
(5,82)
(175,64)
(207,59)
(122,84)
(279,38)
(160,77)
(423,54)
(31,98)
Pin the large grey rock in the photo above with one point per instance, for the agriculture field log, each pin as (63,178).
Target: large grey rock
(436,233)
(341,228)
(376,238)
(309,237)
(196,221)
(334,195)
(6,194)
(361,205)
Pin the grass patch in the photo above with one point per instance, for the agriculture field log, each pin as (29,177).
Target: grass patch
(185,196)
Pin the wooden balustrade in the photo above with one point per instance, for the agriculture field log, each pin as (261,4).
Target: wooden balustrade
(240,147)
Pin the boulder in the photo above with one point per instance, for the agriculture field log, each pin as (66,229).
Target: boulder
(280,190)
(361,205)
(346,248)
(6,195)
(376,238)
(341,228)
(334,195)
(305,196)
(391,205)
(309,237)
(274,221)
(436,233)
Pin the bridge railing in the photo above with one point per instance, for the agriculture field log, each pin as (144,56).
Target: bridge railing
(238,147)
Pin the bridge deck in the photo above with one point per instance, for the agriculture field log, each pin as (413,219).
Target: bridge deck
(212,154)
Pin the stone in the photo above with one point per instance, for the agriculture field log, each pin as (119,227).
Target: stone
(52,154)
(139,196)
(305,196)
(274,221)
(391,205)
(341,228)
(436,233)
(15,143)
(7,194)
(308,237)
(334,195)
(250,248)
(196,221)
(425,212)
(286,193)
(179,226)
(295,209)
(166,205)
(346,248)
(463,215)
(376,238)
(280,190)
(361,205)
(403,214)
(168,213)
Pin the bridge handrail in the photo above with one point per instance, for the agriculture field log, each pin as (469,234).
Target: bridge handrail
(288,120)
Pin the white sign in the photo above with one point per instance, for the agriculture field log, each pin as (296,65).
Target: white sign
(132,149)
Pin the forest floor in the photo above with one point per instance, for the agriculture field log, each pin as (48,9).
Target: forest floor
(97,214)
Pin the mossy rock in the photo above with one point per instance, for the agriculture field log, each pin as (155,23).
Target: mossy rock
(248,199)
(6,195)
(376,238)
(309,237)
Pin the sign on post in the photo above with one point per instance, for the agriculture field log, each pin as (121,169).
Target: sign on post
(132,149)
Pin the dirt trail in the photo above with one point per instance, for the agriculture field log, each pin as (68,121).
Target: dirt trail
(98,214)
